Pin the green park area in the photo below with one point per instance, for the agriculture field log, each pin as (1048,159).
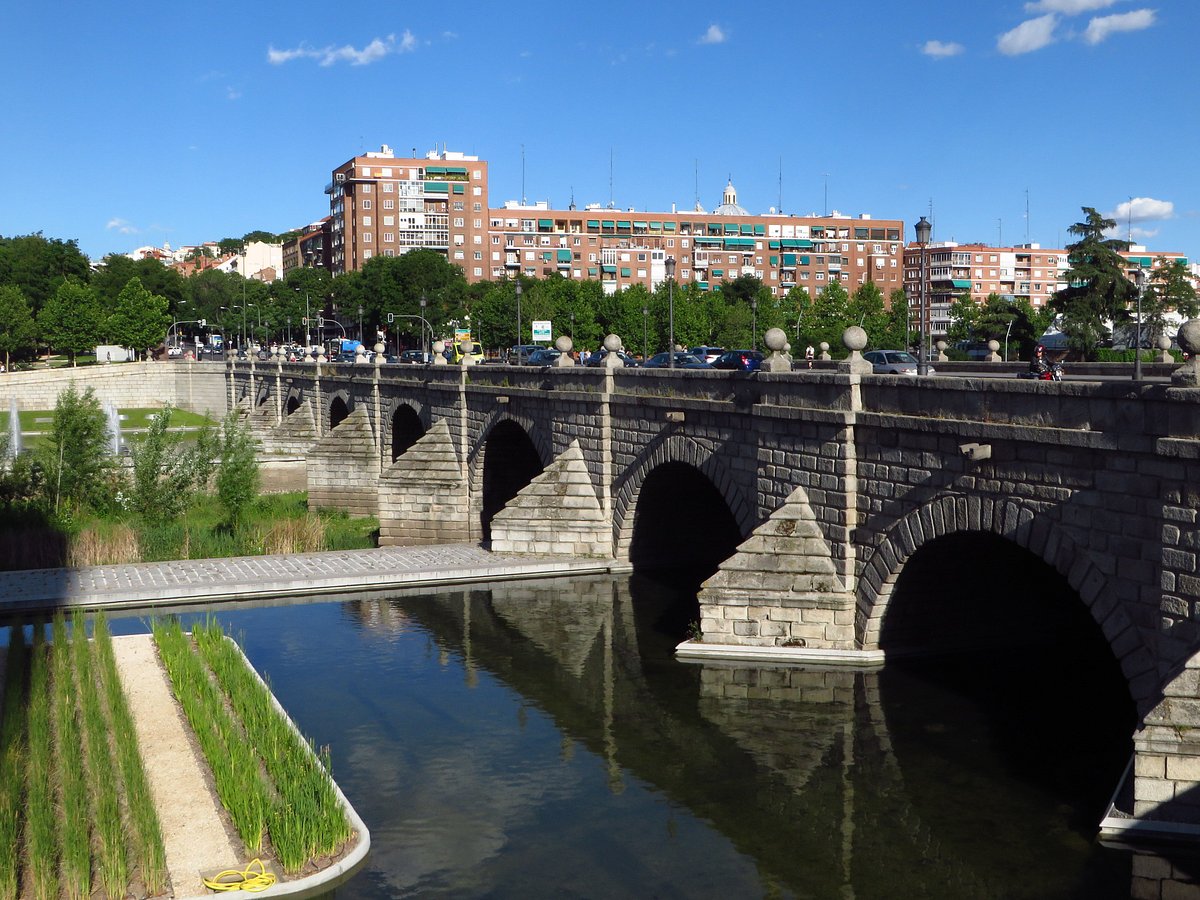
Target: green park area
(181,487)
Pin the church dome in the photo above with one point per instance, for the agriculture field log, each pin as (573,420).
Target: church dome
(729,205)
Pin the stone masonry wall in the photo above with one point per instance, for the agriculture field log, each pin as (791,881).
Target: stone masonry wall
(195,386)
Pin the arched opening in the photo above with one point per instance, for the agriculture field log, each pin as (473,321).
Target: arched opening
(510,461)
(337,411)
(407,429)
(1016,676)
(263,396)
(293,404)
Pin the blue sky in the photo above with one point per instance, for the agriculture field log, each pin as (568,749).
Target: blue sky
(127,125)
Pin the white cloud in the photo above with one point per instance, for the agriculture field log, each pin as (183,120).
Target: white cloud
(714,35)
(1142,209)
(939,49)
(1101,27)
(232,93)
(1030,35)
(121,226)
(1067,7)
(330,55)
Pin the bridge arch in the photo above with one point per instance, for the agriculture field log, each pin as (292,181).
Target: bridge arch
(673,450)
(264,393)
(340,405)
(295,398)
(510,452)
(1022,526)
(407,428)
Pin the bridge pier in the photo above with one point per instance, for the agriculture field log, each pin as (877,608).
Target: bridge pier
(423,496)
(343,467)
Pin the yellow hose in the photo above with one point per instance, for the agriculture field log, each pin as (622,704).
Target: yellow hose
(252,879)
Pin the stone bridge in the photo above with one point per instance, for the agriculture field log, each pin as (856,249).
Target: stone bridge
(819,493)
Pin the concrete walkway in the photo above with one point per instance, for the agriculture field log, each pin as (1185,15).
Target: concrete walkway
(249,577)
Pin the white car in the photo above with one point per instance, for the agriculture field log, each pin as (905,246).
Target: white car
(174,352)
(894,362)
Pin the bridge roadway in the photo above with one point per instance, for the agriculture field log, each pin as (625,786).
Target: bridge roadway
(202,581)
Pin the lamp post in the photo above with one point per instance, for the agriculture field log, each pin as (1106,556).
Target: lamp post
(425,322)
(360,331)
(289,324)
(1140,278)
(753,323)
(518,317)
(669,262)
(645,333)
(923,229)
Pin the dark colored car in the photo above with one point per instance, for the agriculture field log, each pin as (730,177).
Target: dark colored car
(414,357)
(597,359)
(743,360)
(543,356)
(683,360)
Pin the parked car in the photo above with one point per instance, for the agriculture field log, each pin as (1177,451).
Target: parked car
(174,352)
(597,359)
(683,360)
(518,355)
(708,354)
(543,356)
(743,360)
(894,362)
(414,357)
(454,353)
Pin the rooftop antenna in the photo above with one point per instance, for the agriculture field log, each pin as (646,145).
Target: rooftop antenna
(572,206)
(931,220)
(610,178)
(825,175)
(999,232)
(524,202)
(1027,215)
(780,206)
(696,164)
(1129,222)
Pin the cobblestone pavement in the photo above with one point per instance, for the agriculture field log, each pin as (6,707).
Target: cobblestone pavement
(204,580)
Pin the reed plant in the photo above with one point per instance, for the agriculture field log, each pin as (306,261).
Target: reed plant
(234,762)
(143,818)
(41,839)
(301,535)
(104,543)
(12,763)
(76,851)
(307,819)
(112,864)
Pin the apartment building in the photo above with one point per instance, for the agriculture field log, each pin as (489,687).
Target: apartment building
(1138,257)
(382,204)
(950,269)
(621,248)
(310,247)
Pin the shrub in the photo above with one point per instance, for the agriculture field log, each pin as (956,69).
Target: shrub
(166,475)
(76,451)
(237,477)
(303,535)
(104,544)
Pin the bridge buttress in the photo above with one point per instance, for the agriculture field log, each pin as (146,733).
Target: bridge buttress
(343,467)
(557,513)
(423,495)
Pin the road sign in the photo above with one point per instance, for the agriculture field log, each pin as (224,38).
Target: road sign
(541,330)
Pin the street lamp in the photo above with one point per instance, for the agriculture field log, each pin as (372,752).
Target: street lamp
(754,323)
(518,318)
(1140,278)
(424,322)
(289,324)
(669,262)
(923,229)
(360,331)
(645,333)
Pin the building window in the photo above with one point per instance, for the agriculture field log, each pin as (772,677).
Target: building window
(389,188)
(366,188)
(366,204)
(389,204)
(388,251)
(478,272)
(478,223)
(476,174)
(389,238)
(477,191)
(367,254)
(366,220)
(476,207)
(478,255)
(458,223)
(458,206)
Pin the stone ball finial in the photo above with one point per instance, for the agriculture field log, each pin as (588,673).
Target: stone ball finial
(439,353)
(941,349)
(993,345)
(563,344)
(612,343)
(379,347)
(1163,342)
(994,351)
(855,338)
(777,342)
(1189,337)
(824,348)
(775,339)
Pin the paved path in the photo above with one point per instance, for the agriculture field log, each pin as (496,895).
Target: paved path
(248,577)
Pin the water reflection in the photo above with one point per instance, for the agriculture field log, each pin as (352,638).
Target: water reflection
(540,739)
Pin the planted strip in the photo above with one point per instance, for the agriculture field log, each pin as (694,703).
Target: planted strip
(233,761)
(12,762)
(71,777)
(147,832)
(307,819)
(106,805)
(41,841)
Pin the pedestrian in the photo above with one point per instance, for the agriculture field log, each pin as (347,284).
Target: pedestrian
(809,354)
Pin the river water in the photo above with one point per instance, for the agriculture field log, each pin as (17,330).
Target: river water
(540,739)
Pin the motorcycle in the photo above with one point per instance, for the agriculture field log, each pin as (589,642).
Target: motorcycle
(1049,372)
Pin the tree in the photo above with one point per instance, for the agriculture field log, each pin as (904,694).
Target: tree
(896,332)
(964,319)
(1097,289)
(76,452)
(140,318)
(1169,290)
(17,330)
(867,310)
(237,475)
(71,320)
(1014,323)
(828,317)
(167,475)
(38,265)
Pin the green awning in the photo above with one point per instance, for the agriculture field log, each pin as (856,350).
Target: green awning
(739,243)
(456,170)
(545,223)
(668,226)
(774,260)
(748,229)
(789,259)
(611,269)
(593,223)
(564,255)
(760,230)
(609,223)
(731,228)
(960,283)
(593,272)
(773,245)
(435,170)
(1144,261)
(656,226)
(546,256)
(437,187)
(703,285)
(639,226)
(709,241)
(718,273)
(626,273)
(789,244)
(714,228)
(804,260)
(459,188)
(624,225)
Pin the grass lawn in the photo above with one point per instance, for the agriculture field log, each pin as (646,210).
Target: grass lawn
(35,422)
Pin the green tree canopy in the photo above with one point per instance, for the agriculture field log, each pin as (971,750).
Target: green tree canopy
(140,319)
(1097,289)
(827,318)
(72,320)
(38,265)
(18,334)
(1168,290)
